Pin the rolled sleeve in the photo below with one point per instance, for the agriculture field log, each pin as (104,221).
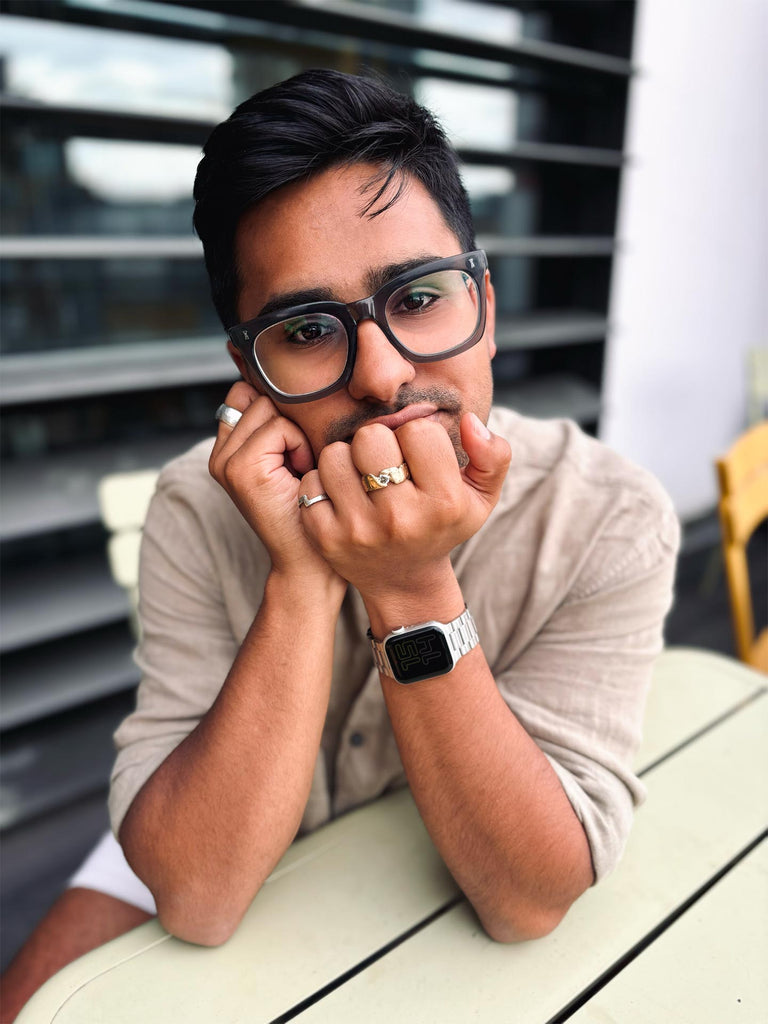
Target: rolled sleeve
(580,687)
(188,641)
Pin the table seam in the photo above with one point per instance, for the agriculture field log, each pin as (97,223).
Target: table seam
(119,963)
(650,937)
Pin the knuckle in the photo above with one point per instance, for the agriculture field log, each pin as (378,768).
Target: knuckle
(452,510)
(310,483)
(232,471)
(333,457)
(371,441)
(361,537)
(240,391)
(420,431)
(372,432)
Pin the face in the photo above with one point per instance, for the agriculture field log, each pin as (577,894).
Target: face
(313,237)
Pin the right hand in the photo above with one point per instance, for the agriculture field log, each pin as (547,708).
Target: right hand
(259,463)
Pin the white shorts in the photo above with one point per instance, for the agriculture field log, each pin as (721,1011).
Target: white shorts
(105,869)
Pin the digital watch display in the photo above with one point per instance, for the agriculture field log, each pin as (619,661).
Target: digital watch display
(429,649)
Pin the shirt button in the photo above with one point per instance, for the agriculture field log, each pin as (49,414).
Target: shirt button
(357,739)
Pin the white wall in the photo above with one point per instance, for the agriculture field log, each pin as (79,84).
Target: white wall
(690,291)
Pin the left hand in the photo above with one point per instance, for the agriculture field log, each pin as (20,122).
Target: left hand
(398,540)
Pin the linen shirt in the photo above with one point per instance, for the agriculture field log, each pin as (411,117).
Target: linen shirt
(568,581)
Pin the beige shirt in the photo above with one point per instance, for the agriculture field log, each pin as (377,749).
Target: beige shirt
(568,581)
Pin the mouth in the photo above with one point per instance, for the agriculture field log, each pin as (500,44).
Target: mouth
(421,410)
(439,404)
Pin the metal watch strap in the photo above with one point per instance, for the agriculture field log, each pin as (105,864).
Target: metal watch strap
(380,657)
(461,635)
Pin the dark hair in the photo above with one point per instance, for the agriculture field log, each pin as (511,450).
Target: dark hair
(306,124)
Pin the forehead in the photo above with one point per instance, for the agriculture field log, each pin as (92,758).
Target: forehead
(316,234)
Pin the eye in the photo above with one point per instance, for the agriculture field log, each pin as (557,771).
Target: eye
(308,331)
(417,300)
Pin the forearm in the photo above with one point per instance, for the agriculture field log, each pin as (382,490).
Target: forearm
(210,824)
(488,796)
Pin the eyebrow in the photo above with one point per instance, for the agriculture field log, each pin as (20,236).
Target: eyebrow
(374,280)
(299,298)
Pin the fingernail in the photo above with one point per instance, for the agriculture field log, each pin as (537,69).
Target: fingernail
(480,428)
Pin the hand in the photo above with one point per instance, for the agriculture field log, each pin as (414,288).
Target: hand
(258,463)
(398,540)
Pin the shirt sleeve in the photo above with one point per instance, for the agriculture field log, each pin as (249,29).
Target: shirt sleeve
(187,642)
(579,688)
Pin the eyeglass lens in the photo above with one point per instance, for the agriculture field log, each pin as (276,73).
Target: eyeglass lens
(428,316)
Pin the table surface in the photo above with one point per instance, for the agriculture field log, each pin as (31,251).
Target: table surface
(361,921)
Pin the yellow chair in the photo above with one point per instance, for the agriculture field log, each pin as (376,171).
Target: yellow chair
(743,479)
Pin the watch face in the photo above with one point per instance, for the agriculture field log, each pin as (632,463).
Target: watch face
(419,654)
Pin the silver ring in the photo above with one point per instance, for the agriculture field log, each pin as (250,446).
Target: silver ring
(305,501)
(226,414)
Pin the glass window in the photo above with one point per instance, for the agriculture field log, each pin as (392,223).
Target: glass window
(61,185)
(473,116)
(481,20)
(71,65)
(60,303)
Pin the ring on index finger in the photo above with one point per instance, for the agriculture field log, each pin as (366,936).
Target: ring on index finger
(229,415)
(392,475)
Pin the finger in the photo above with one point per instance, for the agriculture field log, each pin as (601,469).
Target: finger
(340,479)
(317,521)
(375,448)
(489,457)
(310,485)
(241,396)
(431,457)
(292,446)
(257,457)
(264,451)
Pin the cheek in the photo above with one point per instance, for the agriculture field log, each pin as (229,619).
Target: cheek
(309,423)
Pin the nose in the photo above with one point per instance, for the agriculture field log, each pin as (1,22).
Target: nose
(380,370)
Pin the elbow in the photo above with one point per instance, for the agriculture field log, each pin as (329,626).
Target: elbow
(521,914)
(522,926)
(209,934)
(521,918)
(198,928)
(203,922)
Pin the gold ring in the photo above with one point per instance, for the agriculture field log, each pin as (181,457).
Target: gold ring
(393,475)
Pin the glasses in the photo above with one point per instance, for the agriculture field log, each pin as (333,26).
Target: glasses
(432,312)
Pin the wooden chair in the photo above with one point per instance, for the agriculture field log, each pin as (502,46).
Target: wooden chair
(743,479)
(124,499)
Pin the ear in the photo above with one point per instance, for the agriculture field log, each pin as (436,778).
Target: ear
(490,315)
(239,362)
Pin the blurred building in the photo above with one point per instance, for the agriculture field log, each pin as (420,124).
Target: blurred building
(112,356)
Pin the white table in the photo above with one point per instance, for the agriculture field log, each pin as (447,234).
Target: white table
(361,921)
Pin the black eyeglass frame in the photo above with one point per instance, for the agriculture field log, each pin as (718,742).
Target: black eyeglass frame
(244,336)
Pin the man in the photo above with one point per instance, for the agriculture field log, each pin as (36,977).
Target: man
(360,482)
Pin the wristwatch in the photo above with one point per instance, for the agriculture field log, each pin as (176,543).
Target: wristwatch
(413,653)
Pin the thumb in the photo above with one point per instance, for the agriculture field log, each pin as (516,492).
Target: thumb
(489,456)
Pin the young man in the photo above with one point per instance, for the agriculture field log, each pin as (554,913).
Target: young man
(360,482)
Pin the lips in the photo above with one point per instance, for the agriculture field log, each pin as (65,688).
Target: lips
(438,404)
(410,412)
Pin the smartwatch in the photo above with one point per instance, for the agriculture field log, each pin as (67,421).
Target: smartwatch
(413,653)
